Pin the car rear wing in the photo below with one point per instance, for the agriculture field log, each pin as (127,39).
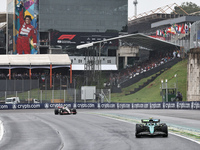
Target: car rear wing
(150,120)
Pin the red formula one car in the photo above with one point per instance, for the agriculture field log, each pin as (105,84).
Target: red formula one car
(65,111)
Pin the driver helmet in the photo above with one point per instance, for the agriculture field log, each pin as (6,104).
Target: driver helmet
(151,119)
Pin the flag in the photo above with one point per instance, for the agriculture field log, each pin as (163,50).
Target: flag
(171,30)
(164,32)
(176,28)
(161,33)
(158,32)
(186,28)
(190,26)
(179,29)
(182,29)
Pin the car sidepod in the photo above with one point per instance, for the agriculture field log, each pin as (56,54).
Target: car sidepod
(64,112)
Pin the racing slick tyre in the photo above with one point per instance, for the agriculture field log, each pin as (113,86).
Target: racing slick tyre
(56,111)
(61,111)
(74,111)
(138,130)
(165,130)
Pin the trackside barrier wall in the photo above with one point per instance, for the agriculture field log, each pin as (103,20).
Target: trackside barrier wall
(193,105)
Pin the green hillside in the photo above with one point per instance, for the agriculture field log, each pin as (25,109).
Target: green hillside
(151,93)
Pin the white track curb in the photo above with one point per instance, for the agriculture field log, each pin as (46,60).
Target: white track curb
(1,130)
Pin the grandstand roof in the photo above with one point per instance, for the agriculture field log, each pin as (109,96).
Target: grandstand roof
(182,19)
(143,24)
(140,40)
(35,60)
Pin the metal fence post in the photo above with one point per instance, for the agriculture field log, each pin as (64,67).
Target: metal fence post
(30,85)
(6,84)
(38,89)
(93,96)
(5,95)
(41,96)
(45,87)
(60,86)
(85,96)
(109,95)
(74,95)
(16,93)
(64,96)
(28,96)
(23,88)
(166,91)
(53,96)
(53,88)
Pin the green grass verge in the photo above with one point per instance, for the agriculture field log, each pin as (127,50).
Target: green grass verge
(151,93)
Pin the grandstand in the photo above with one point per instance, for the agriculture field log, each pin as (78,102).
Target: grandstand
(159,23)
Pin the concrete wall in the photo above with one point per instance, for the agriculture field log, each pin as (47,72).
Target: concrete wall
(127,51)
(193,89)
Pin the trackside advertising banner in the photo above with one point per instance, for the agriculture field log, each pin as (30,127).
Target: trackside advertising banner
(141,106)
(85,105)
(169,105)
(124,106)
(157,105)
(195,105)
(107,105)
(183,105)
(77,38)
(25,29)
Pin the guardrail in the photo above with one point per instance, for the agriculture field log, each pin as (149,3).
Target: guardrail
(193,105)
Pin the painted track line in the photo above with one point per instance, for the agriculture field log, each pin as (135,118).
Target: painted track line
(135,123)
(1,130)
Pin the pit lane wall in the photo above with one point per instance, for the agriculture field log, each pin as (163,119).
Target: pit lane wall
(192,105)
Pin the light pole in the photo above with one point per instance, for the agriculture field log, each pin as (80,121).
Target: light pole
(162,90)
(135,3)
(176,81)
(166,91)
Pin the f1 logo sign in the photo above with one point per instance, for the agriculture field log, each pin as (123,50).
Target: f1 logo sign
(66,36)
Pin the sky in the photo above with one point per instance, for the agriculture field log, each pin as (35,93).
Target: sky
(143,5)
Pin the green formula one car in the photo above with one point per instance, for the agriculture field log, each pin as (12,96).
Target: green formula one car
(151,127)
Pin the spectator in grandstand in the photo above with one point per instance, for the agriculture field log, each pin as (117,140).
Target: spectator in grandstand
(178,54)
(174,54)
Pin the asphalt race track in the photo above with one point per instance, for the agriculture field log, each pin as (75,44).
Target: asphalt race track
(42,130)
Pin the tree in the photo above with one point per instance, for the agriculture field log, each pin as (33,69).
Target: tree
(189,7)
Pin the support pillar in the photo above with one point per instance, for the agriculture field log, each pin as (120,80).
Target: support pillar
(30,73)
(125,61)
(9,74)
(71,74)
(50,75)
